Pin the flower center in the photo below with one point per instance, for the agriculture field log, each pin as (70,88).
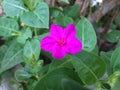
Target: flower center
(61,42)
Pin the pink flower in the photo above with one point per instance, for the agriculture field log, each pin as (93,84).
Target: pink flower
(61,41)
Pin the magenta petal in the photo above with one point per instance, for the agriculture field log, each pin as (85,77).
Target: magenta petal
(70,30)
(74,45)
(58,52)
(56,31)
(47,43)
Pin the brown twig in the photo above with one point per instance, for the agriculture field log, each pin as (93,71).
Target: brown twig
(50,2)
(107,6)
(109,22)
(83,5)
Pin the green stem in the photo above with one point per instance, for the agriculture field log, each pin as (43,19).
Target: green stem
(35,31)
(37,77)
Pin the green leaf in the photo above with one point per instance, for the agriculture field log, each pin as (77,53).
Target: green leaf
(89,67)
(106,57)
(86,33)
(37,67)
(66,1)
(66,62)
(55,11)
(114,80)
(115,60)
(13,7)
(117,20)
(40,37)
(12,57)
(113,36)
(22,75)
(63,20)
(31,51)
(39,18)
(3,49)
(8,27)
(72,9)
(27,33)
(57,75)
(68,84)
(31,4)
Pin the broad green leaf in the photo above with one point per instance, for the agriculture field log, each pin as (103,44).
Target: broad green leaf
(63,20)
(115,60)
(31,51)
(39,18)
(12,57)
(27,33)
(86,33)
(8,27)
(22,75)
(68,84)
(13,7)
(42,12)
(113,36)
(89,67)
(57,75)
(72,11)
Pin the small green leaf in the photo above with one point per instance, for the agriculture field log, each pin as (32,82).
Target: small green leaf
(31,4)
(115,60)
(86,33)
(117,20)
(22,75)
(89,66)
(31,51)
(13,7)
(12,57)
(8,27)
(55,11)
(3,49)
(63,20)
(40,37)
(106,57)
(39,18)
(72,9)
(114,80)
(37,67)
(27,33)
(66,1)
(113,36)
